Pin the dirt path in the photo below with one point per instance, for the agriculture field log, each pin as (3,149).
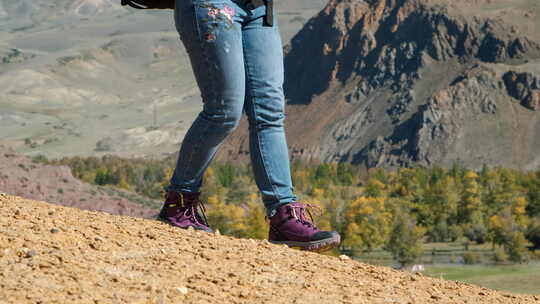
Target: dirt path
(54,254)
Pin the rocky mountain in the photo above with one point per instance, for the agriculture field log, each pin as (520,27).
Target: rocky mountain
(55,254)
(402,82)
(20,175)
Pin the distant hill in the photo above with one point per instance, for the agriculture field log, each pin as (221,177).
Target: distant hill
(398,83)
(50,253)
(90,77)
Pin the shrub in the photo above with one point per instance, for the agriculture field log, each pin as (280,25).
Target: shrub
(533,233)
(476,233)
(500,255)
(470,258)
(40,158)
(516,248)
(405,239)
(455,232)
(439,232)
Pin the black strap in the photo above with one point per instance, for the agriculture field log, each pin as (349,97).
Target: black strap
(132,4)
(169,4)
(149,4)
(269,18)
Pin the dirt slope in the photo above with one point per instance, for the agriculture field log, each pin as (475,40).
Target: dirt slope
(54,254)
(19,175)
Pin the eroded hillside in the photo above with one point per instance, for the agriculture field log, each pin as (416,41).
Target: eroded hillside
(20,175)
(50,253)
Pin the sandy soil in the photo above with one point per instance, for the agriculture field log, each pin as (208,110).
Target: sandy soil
(54,254)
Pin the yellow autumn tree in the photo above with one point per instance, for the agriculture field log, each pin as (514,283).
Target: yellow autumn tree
(375,188)
(496,229)
(300,178)
(470,200)
(318,193)
(227,218)
(368,223)
(506,230)
(520,212)
(257,226)
(166,178)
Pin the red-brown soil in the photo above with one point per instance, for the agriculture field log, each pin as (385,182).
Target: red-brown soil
(19,175)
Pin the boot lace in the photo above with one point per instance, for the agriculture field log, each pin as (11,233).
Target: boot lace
(194,210)
(298,213)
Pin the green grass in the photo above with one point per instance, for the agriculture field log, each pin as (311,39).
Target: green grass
(524,278)
(434,253)
(518,278)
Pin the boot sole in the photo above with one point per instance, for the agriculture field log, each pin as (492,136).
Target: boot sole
(160,219)
(315,246)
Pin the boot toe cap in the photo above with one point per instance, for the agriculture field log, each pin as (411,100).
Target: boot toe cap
(323,235)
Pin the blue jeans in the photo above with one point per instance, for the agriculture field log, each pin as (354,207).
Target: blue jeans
(238,65)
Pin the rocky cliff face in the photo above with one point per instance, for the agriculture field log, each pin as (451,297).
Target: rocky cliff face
(402,82)
(524,87)
(387,43)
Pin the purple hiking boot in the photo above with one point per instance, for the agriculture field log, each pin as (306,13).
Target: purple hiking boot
(291,227)
(182,210)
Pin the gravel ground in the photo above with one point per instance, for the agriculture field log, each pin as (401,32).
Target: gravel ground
(55,254)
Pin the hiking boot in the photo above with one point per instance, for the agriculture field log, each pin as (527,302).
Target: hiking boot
(291,227)
(182,210)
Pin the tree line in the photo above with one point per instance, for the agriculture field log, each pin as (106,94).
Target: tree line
(396,210)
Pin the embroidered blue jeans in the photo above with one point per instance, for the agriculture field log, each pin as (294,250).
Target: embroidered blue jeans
(238,65)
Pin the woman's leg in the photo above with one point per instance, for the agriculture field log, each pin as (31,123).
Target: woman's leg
(264,106)
(211,33)
(289,223)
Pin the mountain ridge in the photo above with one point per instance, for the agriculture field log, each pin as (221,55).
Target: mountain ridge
(413,82)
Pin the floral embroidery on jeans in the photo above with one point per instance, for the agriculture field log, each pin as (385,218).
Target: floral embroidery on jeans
(213,12)
(217,16)
(228,12)
(210,36)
